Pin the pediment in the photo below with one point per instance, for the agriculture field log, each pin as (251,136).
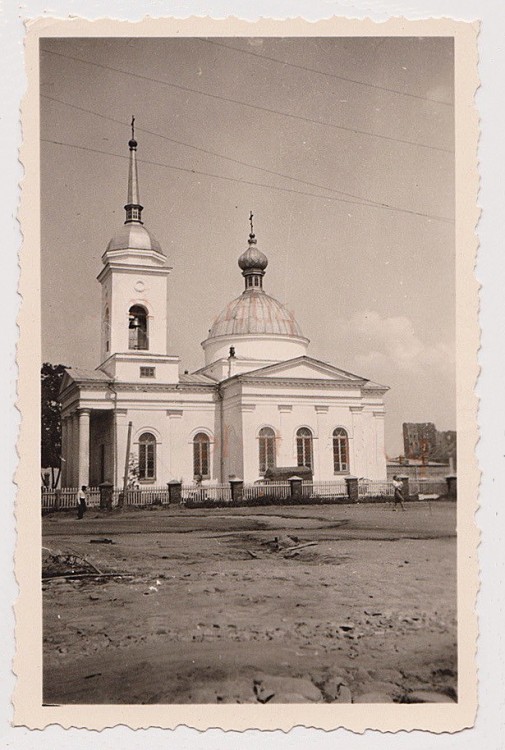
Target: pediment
(77,375)
(306,368)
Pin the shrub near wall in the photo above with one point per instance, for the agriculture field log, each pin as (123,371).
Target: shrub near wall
(268,500)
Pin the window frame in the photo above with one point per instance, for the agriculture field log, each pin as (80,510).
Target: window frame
(201,446)
(267,450)
(302,441)
(147,444)
(340,450)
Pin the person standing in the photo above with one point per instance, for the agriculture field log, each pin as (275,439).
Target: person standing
(81,501)
(398,496)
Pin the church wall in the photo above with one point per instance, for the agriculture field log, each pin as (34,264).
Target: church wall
(174,424)
(321,410)
(233,444)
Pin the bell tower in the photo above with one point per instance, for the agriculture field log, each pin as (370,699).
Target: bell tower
(134,279)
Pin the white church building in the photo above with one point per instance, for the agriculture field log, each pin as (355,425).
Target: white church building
(259,401)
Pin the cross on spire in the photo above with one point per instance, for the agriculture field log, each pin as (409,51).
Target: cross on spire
(251,221)
(133,127)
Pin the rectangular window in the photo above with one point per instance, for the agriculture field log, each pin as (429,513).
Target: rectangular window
(147,372)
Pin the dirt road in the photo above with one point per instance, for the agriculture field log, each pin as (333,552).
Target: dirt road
(215,610)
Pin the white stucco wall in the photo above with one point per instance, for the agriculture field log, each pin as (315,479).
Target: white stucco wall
(176,413)
(121,289)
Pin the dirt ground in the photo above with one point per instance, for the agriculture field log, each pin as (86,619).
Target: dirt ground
(211,609)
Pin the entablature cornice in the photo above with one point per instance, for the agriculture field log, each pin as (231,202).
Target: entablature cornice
(303,382)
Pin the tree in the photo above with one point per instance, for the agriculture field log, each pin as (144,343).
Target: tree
(50,448)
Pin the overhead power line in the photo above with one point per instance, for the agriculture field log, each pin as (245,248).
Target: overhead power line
(218,97)
(250,182)
(215,153)
(324,73)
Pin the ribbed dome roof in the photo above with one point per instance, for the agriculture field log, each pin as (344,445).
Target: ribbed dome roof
(255,312)
(134,237)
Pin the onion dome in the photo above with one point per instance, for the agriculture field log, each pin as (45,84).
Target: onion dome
(253,262)
(254,311)
(253,258)
(133,235)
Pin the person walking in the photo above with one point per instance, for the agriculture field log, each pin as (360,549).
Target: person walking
(398,496)
(81,502)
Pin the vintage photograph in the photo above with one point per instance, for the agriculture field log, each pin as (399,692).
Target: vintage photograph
(249,444)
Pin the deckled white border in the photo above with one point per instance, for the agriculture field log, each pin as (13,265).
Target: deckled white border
(466,372)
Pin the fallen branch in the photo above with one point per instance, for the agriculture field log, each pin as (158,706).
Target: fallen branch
(300,546)
(255,557)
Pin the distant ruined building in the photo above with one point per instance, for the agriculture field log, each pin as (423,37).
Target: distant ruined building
(422,441)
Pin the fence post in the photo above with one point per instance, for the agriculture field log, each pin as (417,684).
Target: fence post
(237,489)
(106,490)
(174,491)
(452,486)
(296,486)
(57,499)
(352,486)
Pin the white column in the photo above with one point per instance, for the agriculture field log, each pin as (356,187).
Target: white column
(178,456)
(319,447)
(284,447)
(70,451)
(83,452)
(75,451)
(358,464)
(380,449)
(121,435)
(64,451)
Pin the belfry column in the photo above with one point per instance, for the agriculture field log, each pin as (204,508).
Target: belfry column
(83,442)
(64,451)
(70,451)
(121,435)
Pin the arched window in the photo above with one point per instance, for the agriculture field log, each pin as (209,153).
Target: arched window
(266,449)
(147,456)
(340,450)
(201,456)
(304,447)
(138,337)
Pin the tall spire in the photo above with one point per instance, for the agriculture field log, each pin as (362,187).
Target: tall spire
(133,207)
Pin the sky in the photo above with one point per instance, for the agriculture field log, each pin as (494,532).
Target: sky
(343,149)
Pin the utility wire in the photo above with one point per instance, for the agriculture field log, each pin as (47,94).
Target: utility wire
(251,106)
(249,182)
(323,73)
(214,153)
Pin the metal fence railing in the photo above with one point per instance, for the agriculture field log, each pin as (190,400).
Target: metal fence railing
(66,498)
(140,496)
(194,493)
(427,486)
(375,488)
(263,492)
(274,490)
(336,488)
